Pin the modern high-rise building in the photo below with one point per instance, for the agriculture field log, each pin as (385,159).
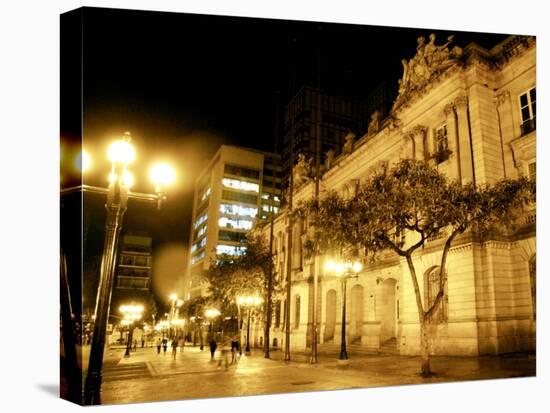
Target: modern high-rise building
(339,117)
(238,187)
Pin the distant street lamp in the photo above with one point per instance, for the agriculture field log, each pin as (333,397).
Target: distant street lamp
(343,270)
(121,154)
(131,313)
(175,303)
(177,323)
(248,301)
(211,314)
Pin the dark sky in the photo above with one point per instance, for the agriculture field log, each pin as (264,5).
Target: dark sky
(183,84)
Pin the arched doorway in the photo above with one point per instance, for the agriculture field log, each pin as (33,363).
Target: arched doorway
(330,322)
(387,308)
(356,314)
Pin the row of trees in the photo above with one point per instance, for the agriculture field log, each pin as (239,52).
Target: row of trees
(230,277)
(397,208)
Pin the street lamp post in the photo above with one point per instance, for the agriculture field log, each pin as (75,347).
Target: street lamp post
(211,314)
(132,313)
(121,154)
(249,301)
(344,270)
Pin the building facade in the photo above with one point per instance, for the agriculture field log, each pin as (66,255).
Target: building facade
(472,114)
(135,263)
(238,188)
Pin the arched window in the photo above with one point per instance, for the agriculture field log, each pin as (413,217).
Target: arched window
(431,289)
(533,283)
(297,312)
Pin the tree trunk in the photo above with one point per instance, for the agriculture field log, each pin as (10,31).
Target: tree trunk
(425,348)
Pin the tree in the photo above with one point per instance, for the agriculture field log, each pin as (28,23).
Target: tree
(248,274)
(414,199)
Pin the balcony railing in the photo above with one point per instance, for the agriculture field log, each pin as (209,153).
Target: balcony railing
(528,126)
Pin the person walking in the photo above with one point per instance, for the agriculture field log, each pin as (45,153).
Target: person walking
(135,345)
(224,356)
(164,345)
(159,344)
(174,348)
(234,349)
(213,347)
(142,342)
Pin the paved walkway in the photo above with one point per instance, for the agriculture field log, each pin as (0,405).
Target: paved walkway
(146,376)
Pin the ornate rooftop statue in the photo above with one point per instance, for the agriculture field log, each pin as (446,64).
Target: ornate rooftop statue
(429,61)
(301,170)
(375,123)
(348,145)
(329,159)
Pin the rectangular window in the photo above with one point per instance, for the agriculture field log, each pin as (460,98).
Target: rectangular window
(241,171)
(235,209)
(225,222)
(231,236)
(197,258)
(441,144)
(200,220)
(241,185)
(230,249)
(533,171)
(205,194)
(528,108)
(239,197)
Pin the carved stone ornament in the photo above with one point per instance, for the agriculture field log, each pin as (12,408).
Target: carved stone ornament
(502,98)
(348,146)
(375,122)
(329,159)
(301,170)
(429,62)
(448,109)
(461,102)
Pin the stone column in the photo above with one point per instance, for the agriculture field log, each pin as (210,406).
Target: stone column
(452,140)
(419,137)
(466,163)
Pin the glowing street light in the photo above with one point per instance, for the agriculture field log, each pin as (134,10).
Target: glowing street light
(211,315)
(250,301)
(132,314)
(343,270)
(162,175)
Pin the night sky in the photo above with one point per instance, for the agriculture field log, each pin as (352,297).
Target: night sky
(183,84)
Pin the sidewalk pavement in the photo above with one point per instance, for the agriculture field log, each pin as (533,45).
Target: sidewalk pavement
(147,376)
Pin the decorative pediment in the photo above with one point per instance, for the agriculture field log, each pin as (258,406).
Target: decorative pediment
(429,62)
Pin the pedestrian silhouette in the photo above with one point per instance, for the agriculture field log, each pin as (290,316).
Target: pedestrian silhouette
(174,348)
(213,347)
(159,344)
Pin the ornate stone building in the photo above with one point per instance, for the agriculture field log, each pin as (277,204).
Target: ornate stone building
(471,112)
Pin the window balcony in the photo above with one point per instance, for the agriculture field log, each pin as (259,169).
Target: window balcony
(528,126)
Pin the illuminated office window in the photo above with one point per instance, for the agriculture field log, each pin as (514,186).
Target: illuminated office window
(235,209)
(236,223)
(197,258)
(230,249)
(241,185)
(200,220)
